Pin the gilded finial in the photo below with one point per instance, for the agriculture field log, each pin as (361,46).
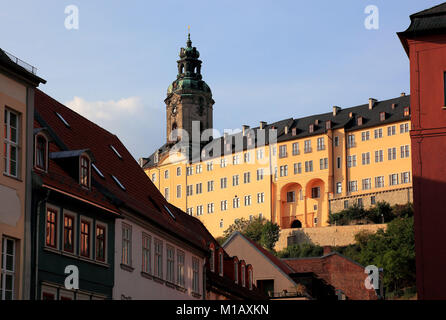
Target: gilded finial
(189,42)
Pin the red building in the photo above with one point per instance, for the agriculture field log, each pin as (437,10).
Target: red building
(425,44)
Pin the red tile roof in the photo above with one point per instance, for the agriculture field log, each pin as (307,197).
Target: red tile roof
(140,194)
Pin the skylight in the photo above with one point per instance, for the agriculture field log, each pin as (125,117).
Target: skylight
(118,182)
(116,151)
(97,171)
(62,119)
(170,212)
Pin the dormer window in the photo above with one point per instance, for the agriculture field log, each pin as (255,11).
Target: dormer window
(382,116)
(250,278)
(236,271)
(41,153)
(406,111)
(311,128)
(243,275)
(328,125)
(85,172)
(359,120)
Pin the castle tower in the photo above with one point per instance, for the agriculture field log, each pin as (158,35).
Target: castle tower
(189,98)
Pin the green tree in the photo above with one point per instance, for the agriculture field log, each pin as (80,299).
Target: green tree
(269,235)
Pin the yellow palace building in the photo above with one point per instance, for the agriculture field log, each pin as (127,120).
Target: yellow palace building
(293,172)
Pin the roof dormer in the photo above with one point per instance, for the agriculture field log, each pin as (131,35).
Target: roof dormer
(41,147)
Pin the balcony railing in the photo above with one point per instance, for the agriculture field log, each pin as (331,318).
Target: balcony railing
(21,63)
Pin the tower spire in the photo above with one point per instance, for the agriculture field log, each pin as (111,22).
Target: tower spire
(189,42)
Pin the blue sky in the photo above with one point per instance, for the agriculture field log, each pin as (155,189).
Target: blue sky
(264,60)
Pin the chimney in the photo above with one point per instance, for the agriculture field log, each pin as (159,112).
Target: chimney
(262,124)
(336,110)
(393,106)
(286,129)
(350,115)
(245,129)
(327,250)
(372,103)
(403,94)
(225,136)
(316,122)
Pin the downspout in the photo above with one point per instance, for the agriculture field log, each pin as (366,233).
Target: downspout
(204,279)
(36,262)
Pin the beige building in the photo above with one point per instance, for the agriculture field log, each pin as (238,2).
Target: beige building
(17,83)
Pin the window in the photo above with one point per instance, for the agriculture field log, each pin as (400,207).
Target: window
(405,151)
(379,156)
(291,196)
(11,143)
(179,191)
(199,168)
(391,153)
(190,211)
(338,162)
(236,271)
(223,163)
(189,190)
(235,180)
(166,174)
(199,210)
(243,275)
(247,177)
(315,192)
(282,152)
(320,144)
(298,168)
(247,157)
(405,177)
(189,171)
(407,110)
(379,182)
(382,116)
(351,161)
(51,228)
(247,200)
(166,193)
(210,207)
(339,187)
(212,259)
(220,263)
(283,171)
(327,124)
(250,278)
(41,153)
(378,133)
(309,166)
(224,205)
(210,166)
(352,186)
(365,135)
(259,174)
(296,148)
(373,200)
(146,254)
(211,186)
(366,184)
(345,204)
(178,171)
(221,223)
(259,154)
(404,128)
(100,243)
(391,131)
(366,158)
(7,275)
(180,268)
(170,276)
(323,163)
(199,188)
(153,177)
(360,202)
(393,179)
(85,238)
(158,258)
(311,128)
(223,183)
(307,146)
(126,245)
(351,141)
(68,233)
(195,275)
(260,197)
(336,141)
(236,202)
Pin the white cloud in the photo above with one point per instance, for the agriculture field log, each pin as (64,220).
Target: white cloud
(106,110)
(139,126)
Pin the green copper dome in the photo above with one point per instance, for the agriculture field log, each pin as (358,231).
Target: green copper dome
(187,84)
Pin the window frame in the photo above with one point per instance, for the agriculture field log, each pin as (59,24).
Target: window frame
(81,171)
(146,253)
(104,226)
(126,244)
(56,210)
(9,143)
(90,236)
(67,213)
